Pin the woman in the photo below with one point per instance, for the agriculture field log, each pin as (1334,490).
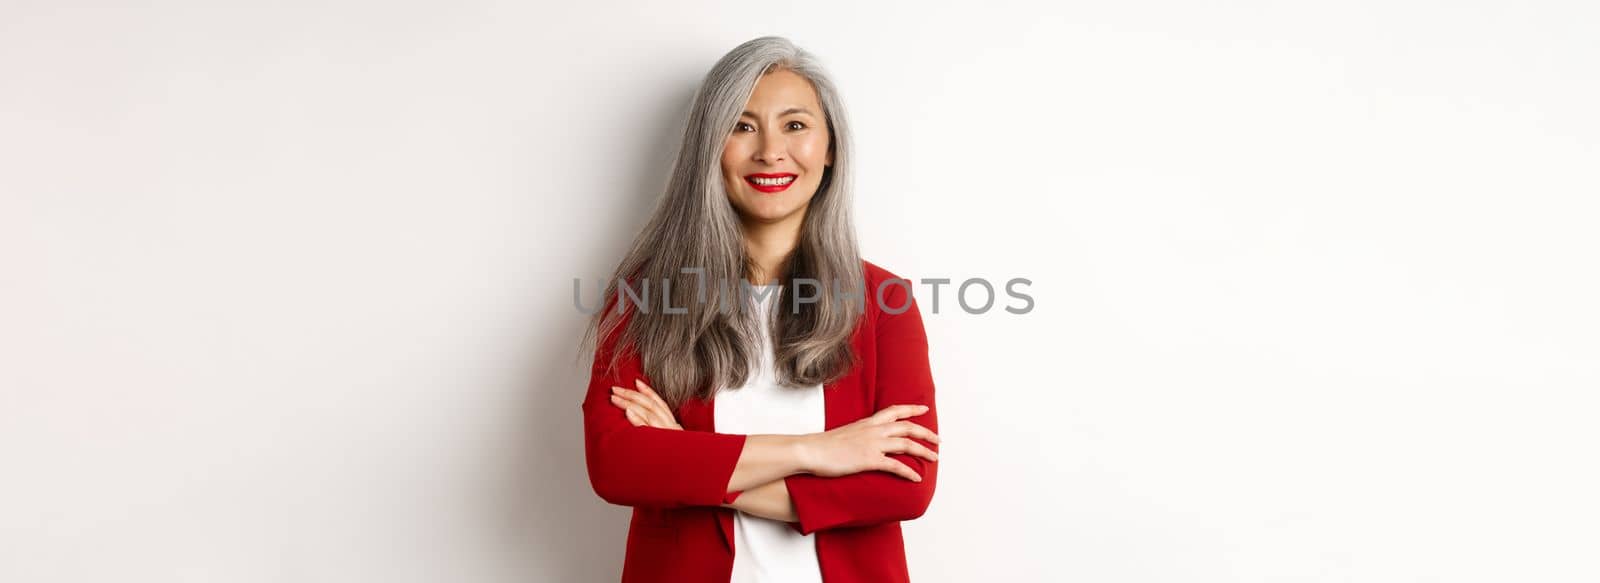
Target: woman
(784,440)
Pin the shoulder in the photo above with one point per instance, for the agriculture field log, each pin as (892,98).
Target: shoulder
(876,274)
(885,289)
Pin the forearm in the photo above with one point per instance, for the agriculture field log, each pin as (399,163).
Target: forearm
(769,500)
(767,458)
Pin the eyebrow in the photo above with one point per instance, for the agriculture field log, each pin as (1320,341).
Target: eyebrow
(783,113)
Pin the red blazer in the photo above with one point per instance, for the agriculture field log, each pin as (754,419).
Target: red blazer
(676,480)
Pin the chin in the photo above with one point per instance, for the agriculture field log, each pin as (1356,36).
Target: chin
(768,217)
(766,214)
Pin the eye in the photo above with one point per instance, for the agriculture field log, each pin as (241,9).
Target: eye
(739,125)
(801,124)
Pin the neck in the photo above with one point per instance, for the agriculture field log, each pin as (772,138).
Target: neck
(770,245)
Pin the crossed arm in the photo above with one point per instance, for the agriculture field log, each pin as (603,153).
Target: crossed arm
(640,457)
(770,500)
(757,485)
(760,482)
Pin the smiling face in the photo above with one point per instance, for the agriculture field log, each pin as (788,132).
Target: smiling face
(774,158)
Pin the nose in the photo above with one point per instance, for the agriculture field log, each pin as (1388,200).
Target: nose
(772,148)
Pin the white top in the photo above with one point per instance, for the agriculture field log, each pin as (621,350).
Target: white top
(765,550)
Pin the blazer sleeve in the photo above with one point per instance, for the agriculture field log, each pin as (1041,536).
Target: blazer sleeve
(865,498)
(648,466)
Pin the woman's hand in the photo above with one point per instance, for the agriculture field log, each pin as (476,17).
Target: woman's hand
(863,445)
(644,406)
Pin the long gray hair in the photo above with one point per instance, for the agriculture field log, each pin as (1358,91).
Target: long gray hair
(695,353)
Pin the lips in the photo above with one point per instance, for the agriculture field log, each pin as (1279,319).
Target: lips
(770,182)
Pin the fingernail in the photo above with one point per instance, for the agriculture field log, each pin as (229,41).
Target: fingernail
(616,389)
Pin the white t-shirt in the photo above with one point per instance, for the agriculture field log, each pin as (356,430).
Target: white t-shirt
(765,550)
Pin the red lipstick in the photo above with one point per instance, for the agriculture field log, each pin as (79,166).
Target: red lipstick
(774,182)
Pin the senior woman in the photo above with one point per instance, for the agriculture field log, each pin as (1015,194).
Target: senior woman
(769,412)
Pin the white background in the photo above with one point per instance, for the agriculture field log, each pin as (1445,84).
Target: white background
(285,288)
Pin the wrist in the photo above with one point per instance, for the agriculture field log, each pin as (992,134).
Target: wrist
(802,449)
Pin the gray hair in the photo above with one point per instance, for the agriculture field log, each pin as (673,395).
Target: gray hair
(694,225)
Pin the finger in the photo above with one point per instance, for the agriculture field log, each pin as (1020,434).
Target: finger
(649,392)
(640,407)
(633,417)
(658,408)
(903,445)
(909,429)
(888,414)
(635,409)
(630,395)
(894,466)
(894,412)
(639,416)
(656,419)
(651,410)
(634,396)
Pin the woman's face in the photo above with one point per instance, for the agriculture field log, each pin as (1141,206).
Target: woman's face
(773,160)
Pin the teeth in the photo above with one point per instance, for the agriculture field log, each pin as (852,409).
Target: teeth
(773,181)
